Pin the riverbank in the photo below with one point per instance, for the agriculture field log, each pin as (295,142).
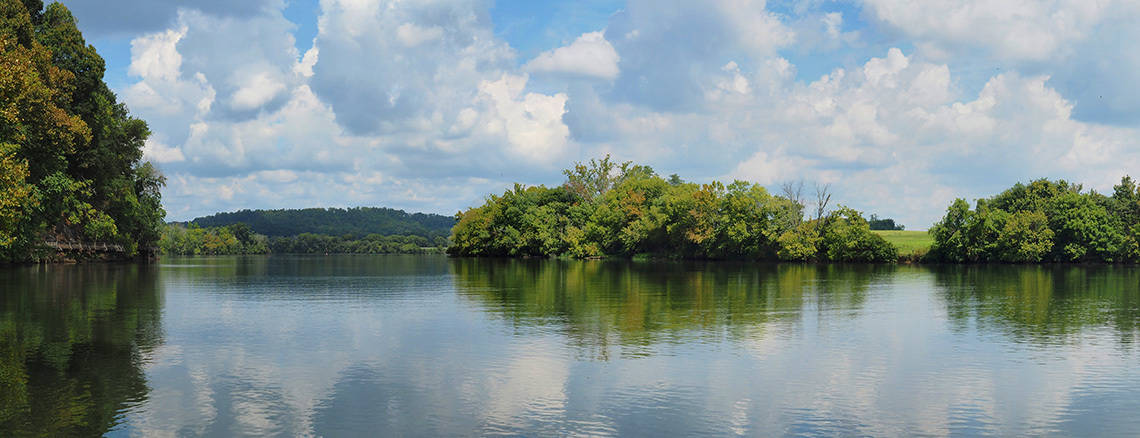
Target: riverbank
(76,251)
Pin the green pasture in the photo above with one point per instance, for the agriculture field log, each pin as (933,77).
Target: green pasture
(908,241)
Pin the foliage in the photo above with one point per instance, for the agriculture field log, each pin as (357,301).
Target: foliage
(800,244)
(359,221)
(240,238)
(1026,237)
(847,236)
(16,197)
(194,240)
(606,209)
(307,243)
(1044,221)
(589,181)
(77,148)
(884,224)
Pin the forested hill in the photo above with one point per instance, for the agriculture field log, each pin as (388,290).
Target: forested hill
(359,221)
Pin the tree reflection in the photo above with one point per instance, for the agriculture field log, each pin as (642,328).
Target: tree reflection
(72,341)
(1042,304)
(633,306)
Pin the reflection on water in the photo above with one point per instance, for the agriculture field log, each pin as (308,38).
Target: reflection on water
(1043,304)
(425,345)
(631,308)
(72,343)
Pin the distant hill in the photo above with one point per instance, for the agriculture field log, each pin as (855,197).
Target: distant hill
(359,221)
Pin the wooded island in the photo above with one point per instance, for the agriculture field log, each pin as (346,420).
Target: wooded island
(606,209)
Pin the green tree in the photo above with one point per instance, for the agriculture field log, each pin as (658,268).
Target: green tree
(590,181)
(1084,229)
(610,210)
(1042,221)
(1025,238)
(82,148)
(847,237)
(951,242)
(16,198)
(800,244)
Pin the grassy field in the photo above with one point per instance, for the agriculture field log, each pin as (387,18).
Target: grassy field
(908,241)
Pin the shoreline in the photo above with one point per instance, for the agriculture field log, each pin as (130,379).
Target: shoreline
(903,260)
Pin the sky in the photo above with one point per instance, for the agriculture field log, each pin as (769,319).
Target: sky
(431,105)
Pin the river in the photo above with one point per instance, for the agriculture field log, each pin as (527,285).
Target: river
(427,345)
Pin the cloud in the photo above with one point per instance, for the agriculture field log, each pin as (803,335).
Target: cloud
(247,120)
(1086,47)
(1021,29)
(532,123)
(156,56)
(160,153)
(249,77)
(230,108)
(589,56)
(895,136)
(668,48)
(419,105)
(258,89)
(387,67)
(770,169)
(412,35)
(1100,74)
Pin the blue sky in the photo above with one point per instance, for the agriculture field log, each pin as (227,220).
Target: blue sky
(430,105)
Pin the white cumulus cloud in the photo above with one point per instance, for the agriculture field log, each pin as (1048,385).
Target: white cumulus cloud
(590,56)
(420,105)
(156,56)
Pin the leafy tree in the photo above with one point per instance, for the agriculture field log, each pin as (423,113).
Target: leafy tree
(848,238)
(1025,238)
(1042,221)
(1126,201)
(800,244)
(747,227)
(1084,229)
(16,198)
(34,95)
(82,149)
(610,210)
(877,223)
(951,240)
(591,181)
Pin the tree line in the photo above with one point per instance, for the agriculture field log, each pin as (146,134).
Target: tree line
(1043,221)
(71,165)
(359,221)
(239,239)
(884,224)
(610,209)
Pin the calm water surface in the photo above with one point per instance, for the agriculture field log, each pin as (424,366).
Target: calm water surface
(426,345)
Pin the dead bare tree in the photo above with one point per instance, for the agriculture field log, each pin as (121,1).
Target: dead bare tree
(794,191)
(822,198)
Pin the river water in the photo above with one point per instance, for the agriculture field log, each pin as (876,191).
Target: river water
(427,345)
